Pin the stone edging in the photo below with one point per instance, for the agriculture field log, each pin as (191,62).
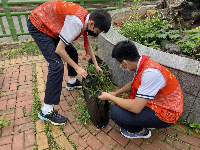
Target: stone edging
(166,59)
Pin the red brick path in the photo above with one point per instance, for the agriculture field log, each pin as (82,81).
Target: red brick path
(16,99)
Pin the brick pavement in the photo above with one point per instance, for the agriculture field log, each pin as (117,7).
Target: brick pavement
(17,100)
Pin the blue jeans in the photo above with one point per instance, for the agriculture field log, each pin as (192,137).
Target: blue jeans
(132,122)
(47,45)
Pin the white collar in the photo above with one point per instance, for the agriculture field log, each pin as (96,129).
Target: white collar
(138,64)
(86,21)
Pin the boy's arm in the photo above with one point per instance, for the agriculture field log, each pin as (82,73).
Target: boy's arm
(90,51)
(60,50)
(125,89)
(133,105)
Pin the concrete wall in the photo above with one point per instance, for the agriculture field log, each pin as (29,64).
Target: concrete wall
(187,71)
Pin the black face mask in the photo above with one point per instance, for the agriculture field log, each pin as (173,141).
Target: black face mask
(91,33)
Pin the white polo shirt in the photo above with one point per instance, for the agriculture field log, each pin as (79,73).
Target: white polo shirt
(152,81)
(72,28)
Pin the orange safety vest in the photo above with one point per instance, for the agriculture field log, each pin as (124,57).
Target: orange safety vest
(50,16)
(168,102)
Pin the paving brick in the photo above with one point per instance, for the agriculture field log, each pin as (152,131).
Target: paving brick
(23,120)
(29,148)
(107,141)
(7,130)
(24,98)
(56,131)
(104,148)
(92,141)
(70,100)
(189,139)
(137,141)
(10,117)
(22,78)
(42,141)
(64,105)
(65,92)
(3,105)
(6,147)
(107,128)
(161,144)
(93,130)
(70,115)
(68,128)
(77,140)
(24,127)
(24,103)
(119,147)
(132,145)
(77,126)
(63,142)
(24,59)
(18,141)
(176,143)
(19,112)
(29,138)
(13,86)
(5,87)
(6,140)
(21,92)
(40,126)
(12,61)
(118,137)
(88,148)
(148,146)
(11,103)
(158,134)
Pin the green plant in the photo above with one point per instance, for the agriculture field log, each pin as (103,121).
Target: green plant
(95,46)
(52,143)
(98,81)
(155,32)
(82,115)
(3,120)
(191,126)
(1,70)
(26,48)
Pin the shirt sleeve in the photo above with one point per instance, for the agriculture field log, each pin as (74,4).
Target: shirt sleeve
(152,81)
(71,29)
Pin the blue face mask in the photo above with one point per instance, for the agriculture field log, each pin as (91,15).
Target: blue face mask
(125,70)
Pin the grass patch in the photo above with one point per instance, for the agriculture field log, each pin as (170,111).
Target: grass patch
(26,48)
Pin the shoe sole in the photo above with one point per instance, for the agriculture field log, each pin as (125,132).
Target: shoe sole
(144,137)
(72,88)
(54,123)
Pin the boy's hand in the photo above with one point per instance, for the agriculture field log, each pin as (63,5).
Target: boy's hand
(99,69)
(104,96)
(80,71)
(113,93)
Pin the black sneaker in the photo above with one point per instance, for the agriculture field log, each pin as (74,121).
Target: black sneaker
(76,85)
(129,135)
(53,117)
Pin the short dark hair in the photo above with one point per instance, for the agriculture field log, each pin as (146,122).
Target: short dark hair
(101,18)
(125,50)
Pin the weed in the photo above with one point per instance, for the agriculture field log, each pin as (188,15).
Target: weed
(156,31)
(26,48)
(1,70)
(95,46)
(75,146)
(3,120)
(52,143)
(192,126)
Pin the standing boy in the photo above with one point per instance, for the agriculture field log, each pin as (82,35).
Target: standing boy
(53,26)
(156,99)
